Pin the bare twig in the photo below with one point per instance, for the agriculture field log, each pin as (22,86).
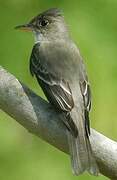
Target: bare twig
(38,117)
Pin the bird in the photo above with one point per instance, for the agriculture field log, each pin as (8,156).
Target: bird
(56,63)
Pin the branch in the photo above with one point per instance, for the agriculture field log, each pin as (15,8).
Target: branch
(39,118)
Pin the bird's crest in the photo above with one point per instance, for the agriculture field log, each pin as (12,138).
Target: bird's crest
(52,12)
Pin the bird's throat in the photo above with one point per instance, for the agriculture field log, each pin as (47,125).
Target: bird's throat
(38,37)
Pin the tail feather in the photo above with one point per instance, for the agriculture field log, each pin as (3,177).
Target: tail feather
(82,158)
(93,168)
(76,161)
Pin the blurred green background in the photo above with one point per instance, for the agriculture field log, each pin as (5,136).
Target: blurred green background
(93,26)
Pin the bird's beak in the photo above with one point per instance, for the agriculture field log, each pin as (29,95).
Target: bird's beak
(25,27)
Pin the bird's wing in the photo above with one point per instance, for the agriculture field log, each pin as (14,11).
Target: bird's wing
(56,89)
(86,93)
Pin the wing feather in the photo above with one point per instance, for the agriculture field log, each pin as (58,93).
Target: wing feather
(59,88)
(86,93)
(56,89)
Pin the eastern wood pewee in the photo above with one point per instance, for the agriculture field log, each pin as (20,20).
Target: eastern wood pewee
(60,71)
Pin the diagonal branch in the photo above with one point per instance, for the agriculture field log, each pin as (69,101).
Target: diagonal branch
(38,117)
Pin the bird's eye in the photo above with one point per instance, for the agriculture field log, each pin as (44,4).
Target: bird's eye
(44,23)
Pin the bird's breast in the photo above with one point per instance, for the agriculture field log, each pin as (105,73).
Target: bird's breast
(61,59)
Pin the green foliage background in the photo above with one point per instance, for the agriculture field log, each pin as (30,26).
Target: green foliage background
(93,26)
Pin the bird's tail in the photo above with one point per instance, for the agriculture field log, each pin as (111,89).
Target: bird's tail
(80,150)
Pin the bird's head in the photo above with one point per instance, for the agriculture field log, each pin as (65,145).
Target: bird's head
(47,26)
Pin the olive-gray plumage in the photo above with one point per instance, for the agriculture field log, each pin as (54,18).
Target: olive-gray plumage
(59,69)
